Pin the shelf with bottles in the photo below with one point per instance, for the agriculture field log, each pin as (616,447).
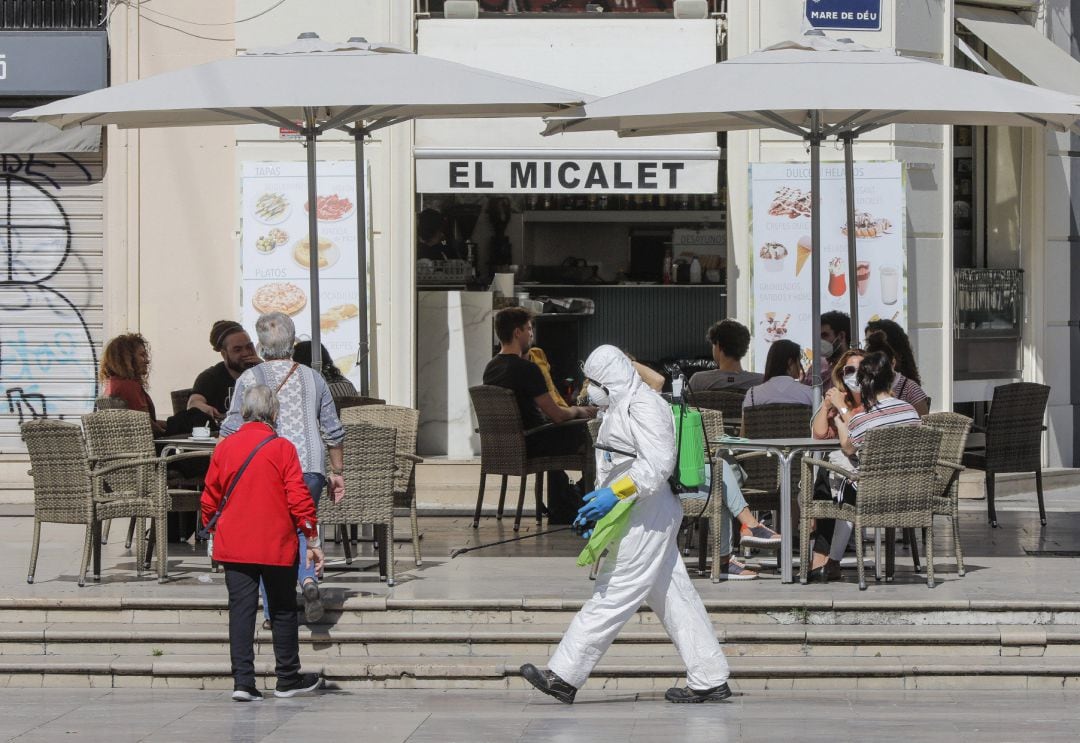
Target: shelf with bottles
(643,208)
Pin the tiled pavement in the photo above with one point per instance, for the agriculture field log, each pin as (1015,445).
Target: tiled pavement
(117,716)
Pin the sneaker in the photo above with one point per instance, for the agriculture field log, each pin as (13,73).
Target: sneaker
(549,683)
(684,695)
(734,570)
(246,694)
(758,536)
(313,608)
(302,684)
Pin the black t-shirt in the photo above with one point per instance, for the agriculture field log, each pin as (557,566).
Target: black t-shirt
(525,379)
(214,384)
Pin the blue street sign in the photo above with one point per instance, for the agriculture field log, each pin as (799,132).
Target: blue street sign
(859,15)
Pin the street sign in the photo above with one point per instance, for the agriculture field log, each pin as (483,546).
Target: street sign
(851,15)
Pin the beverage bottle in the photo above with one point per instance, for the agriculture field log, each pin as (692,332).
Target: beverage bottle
(695,271)
(667,267)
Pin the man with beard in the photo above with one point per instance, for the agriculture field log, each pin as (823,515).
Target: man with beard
(210,393)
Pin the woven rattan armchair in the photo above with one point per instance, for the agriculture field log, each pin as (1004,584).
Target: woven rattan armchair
(954,430)
(728,402)
(897,482)
(1014,431)
(503,451)
(125,436)
(179,400)
(67,491)
(405,421)
(109,403)
(370,468)
(780,421)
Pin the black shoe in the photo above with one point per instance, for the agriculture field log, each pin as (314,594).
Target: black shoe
(549,683)
(300,685)
(684,695)
(246,694)
(313,608)
(267,625)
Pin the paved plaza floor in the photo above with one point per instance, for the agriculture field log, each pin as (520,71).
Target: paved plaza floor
(118,716)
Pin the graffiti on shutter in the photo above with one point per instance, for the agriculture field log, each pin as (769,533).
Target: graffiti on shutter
(50,288)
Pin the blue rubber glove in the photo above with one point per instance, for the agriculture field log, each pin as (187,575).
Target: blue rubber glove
(597,504)
(582,527)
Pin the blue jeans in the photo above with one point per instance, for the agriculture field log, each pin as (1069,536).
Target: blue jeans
(316,483)
(734,503)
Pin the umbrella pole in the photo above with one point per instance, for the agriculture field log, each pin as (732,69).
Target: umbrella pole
(313,243)
(361,256)
(848,139)
(815,256)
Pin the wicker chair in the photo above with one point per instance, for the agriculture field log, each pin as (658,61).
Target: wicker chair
(1013,439)
(502,449)
(728,402)
(405,422)
(179,400)
(67,491)
(954,430)
(353,401)
(897,483)
(370,462)
(763,473)
(109,403)
(124,437)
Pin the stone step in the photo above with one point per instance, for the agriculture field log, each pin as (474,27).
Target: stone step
(485,640)
(897,671)
(381,610)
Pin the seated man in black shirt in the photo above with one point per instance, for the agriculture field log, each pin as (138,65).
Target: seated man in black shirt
(509,369)
(210,393)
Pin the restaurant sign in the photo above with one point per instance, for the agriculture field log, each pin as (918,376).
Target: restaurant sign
(848,15)
(557,175)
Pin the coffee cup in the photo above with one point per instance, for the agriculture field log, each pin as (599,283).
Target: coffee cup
(200,432)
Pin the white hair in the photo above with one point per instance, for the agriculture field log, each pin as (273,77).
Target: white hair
(277,336)
(259,404)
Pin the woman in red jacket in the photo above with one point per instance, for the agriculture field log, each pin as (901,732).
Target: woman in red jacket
(255,536)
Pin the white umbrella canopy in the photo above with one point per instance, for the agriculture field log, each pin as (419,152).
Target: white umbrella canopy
(817,87)
(316,86)
(851,87)
(337,83)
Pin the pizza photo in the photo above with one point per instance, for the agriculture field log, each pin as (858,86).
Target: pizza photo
(281,296)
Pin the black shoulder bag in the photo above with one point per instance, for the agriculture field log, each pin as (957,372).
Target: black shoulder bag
(205,532)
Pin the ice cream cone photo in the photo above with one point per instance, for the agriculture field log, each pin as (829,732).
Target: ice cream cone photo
(804,249)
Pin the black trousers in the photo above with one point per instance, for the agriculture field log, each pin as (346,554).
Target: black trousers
(823,530)
(242,580)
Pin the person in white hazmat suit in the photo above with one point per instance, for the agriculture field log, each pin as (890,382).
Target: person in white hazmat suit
(645,564)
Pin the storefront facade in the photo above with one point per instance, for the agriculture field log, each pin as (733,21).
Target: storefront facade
(172,200)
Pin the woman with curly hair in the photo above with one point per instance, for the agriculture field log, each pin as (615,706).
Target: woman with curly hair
(125,368)
(899,342)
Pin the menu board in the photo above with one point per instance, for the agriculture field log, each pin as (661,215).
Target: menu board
(781,249)
(275,252)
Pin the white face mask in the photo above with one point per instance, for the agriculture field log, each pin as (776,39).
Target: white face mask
(597,396)
(851,382)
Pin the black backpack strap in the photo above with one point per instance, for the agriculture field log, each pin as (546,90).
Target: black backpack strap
(209,528)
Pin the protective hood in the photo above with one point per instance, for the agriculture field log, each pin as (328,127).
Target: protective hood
(609,366)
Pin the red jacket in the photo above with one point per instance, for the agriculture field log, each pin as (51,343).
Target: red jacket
(270,502)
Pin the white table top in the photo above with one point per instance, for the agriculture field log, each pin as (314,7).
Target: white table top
(761,444)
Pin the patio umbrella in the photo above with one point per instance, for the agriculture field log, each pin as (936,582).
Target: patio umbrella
(815,88)
(316,86)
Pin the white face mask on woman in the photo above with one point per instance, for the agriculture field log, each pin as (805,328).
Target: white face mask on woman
(851,382)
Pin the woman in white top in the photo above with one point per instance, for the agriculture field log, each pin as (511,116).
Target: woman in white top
(781,385)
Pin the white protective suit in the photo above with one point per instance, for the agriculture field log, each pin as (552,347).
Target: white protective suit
(645,565)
